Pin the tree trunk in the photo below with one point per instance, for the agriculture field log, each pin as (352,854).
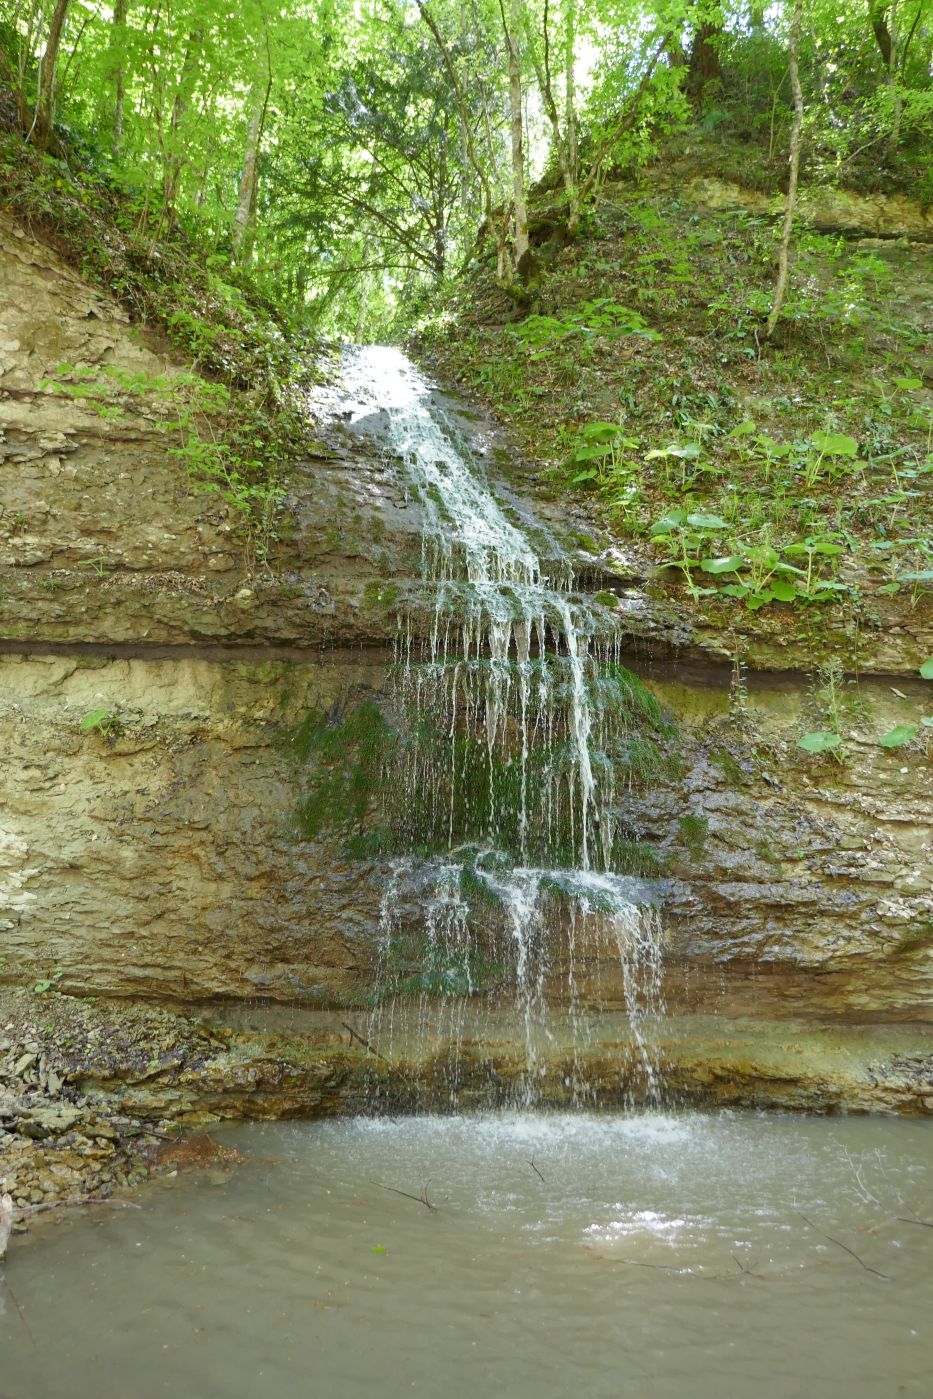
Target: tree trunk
(243,217)
(780,286)
(615,133)
(878,14)
(173,159)
(704,67)
(119,95)
(503,265)
(45,106)
(512,28)
(571,117)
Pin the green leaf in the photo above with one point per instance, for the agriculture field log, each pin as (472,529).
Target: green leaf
(96,719)
(600,432)
(825,548)
(927,721)
(908,385)
(592,453)
(834,444)
(731,564)
(783,592)
(926,670)
(705,522)
(789,568)
(819,742)
(668,523)
(743,429)
(899,735)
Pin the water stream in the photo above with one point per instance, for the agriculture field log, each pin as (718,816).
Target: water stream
(516,710)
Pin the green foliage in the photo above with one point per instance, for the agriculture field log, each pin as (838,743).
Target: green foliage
(601,319)
(900,735)
(694,831)
(820,741)
(100,721)
(353,152)
(49,983)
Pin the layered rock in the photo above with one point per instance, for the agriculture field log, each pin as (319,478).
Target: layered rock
(152,853)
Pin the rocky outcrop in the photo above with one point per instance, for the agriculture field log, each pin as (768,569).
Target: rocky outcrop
(151,852)
(830,210)
(105,537)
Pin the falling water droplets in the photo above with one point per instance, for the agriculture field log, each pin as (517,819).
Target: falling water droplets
(507,669)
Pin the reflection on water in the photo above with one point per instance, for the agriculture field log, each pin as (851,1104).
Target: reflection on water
(710,1256)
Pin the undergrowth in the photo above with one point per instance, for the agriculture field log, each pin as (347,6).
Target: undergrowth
(795,477)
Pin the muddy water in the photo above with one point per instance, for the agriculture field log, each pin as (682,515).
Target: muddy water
(659,1257)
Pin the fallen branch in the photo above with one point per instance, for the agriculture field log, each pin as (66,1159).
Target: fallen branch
(19,1313)
(355,1035)
(421,1199)
(867,1195)
(845,1247)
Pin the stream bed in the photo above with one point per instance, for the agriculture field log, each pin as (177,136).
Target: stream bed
(656,1256)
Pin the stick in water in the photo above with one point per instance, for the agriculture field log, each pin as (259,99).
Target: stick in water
(845,1247)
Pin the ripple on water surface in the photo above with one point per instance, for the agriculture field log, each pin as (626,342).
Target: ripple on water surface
(662,1256)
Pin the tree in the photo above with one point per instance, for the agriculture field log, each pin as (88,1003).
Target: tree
(246,201)
(796,135)
(45,105)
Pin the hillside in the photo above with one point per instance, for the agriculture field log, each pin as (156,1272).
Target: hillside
(776,495)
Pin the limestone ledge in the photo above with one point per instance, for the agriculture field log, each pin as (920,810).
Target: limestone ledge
(161,860)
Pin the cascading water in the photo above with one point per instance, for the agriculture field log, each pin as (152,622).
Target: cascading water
(513,708)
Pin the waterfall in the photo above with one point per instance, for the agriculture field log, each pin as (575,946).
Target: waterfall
(514,711)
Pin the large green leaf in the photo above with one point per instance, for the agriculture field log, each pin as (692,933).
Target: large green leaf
(668,523)
(819,742)
(731,564)
(899,735)
(834,444)
(97,719)
(706,522)
(926,670)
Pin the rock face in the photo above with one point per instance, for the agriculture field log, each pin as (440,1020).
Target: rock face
(830,210)
(152,854)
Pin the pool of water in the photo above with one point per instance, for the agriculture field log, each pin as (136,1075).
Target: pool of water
(695,1256)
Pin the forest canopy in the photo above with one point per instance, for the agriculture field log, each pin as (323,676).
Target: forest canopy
(358,156)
